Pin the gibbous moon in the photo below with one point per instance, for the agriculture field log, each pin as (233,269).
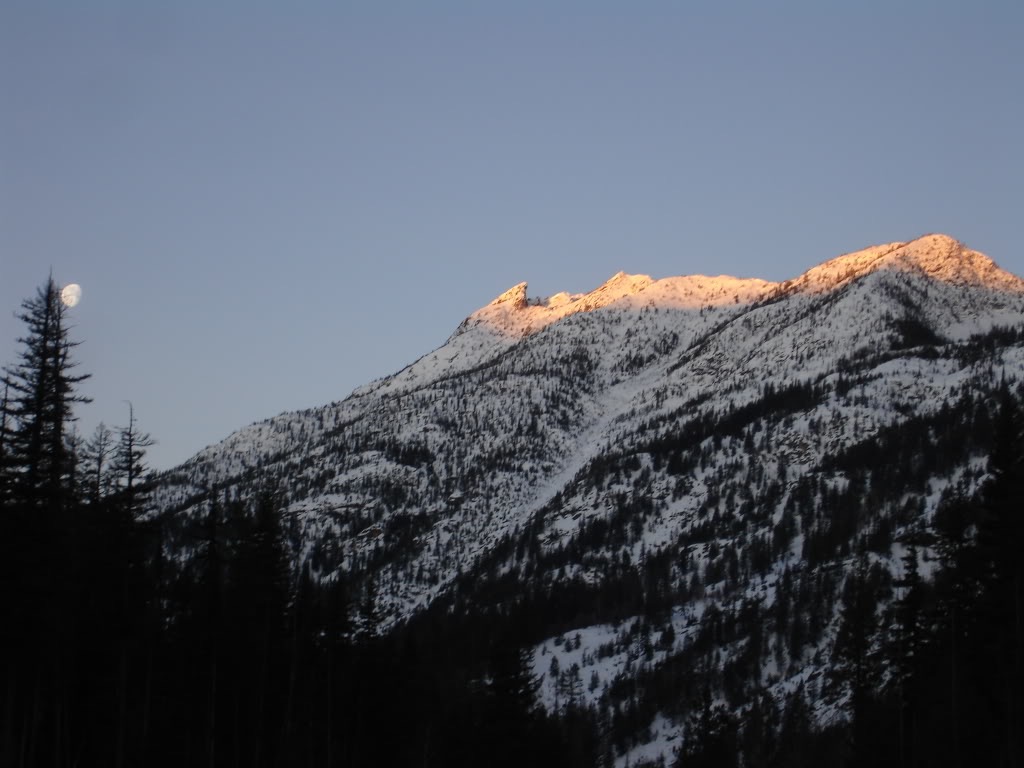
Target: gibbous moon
(71,294)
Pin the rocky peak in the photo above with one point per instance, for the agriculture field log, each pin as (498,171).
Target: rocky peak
(937,256)
(514,296)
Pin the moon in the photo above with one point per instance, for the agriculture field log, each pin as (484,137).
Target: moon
(71,294)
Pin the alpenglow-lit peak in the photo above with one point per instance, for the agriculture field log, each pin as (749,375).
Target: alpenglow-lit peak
(514,296)
(938,256)
(614,288)
(513,314)
(943,258)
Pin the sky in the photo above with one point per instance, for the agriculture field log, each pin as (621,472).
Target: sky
(269,204)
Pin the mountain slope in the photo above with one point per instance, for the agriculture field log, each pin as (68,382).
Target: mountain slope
(642,462)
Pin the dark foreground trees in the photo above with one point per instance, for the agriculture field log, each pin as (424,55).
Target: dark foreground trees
(74,589)
(114,655)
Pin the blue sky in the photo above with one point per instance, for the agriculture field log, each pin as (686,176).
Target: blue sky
(270,204)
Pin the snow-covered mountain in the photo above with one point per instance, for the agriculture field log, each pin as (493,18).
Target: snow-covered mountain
(680,471)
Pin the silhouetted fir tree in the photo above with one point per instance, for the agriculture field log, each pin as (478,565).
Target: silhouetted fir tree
(41,568)
(509,721)
(302,625)
(905,649)
(759,733)
(368,616)
(793,745)
(41,395)
(209,619)
(129,464)
(710,739)
(6,464)
(854,662)
(97,473)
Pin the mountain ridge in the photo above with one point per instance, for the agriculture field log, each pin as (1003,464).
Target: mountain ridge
(937,255)
(643,431)
(468,356)
(513,315)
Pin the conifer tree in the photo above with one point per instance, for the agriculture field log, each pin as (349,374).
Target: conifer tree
(853,659)
(6,474)
(907,645)
(97,472)
(40,395)
(42,568)
(510,708)
(130,463)
(711,738)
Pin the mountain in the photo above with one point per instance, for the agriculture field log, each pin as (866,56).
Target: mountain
(670,483)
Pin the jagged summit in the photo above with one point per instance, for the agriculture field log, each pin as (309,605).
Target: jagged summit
(937,256)
(514,296)
(513,315)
